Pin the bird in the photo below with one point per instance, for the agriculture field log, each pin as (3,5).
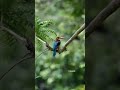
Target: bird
(56,45)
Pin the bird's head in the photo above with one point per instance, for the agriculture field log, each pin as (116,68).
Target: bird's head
(58,38)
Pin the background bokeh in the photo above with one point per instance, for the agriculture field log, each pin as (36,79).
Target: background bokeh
(66,71)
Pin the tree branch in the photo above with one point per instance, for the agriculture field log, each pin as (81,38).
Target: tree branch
(102,16)
(21,60)
(40,39)
(13,33)
(47,45)
(29,45)
(73,37)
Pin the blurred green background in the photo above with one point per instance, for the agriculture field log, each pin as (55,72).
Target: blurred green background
(66,71)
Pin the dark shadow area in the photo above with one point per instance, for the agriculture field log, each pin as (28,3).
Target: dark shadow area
(102,49)
(16,21)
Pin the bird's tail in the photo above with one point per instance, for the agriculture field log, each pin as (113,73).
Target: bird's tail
(54,53)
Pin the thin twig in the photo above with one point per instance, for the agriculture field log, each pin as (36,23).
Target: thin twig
(41,53)
(47,45)
(40,40)
(21,60)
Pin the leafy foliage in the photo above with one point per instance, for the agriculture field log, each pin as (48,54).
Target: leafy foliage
(41,29)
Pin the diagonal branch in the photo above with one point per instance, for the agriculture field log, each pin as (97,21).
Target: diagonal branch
(102,16)
(73,37)
(40,39)
(21,60)
(13,33)
(47,45)
(29,45)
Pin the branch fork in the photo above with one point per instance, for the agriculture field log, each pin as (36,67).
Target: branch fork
(69,41)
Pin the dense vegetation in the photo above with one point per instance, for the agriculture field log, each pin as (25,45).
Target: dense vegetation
(59,18)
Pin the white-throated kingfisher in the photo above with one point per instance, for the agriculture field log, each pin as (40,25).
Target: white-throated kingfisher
(56,45)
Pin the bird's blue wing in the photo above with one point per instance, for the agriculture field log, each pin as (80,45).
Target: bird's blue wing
(55,46)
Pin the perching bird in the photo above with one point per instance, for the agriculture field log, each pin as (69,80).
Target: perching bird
(56,45)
